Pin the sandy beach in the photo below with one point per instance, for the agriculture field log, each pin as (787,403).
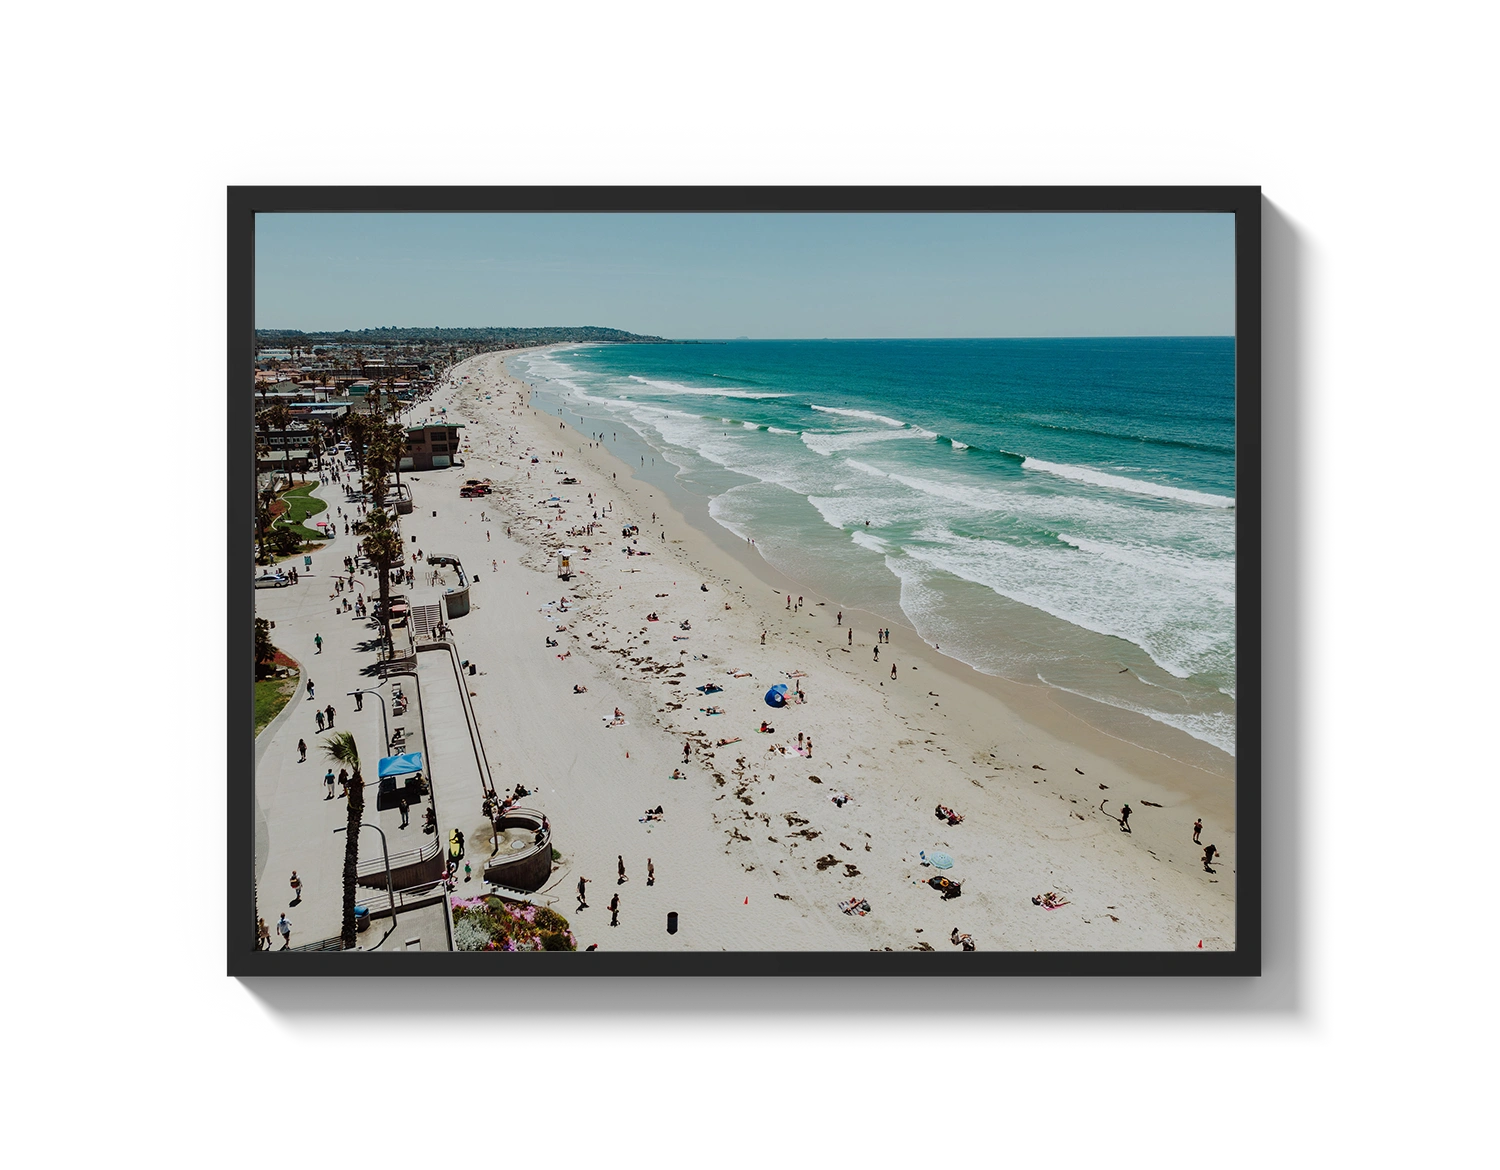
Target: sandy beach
(762,845)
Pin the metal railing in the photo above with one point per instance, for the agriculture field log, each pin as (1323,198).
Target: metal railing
(376,865)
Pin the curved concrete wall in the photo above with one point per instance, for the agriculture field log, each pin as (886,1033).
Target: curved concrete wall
(523,869)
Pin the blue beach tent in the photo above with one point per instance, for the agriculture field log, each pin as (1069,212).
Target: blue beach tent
(401,765)
(776,696)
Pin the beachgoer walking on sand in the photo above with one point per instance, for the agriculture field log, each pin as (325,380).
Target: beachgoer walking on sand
(318,642)
(262,935)
(851,635)
(582,893)
(309,688)
(621,860)
(614,910)
(650,872)
(893,670)
(328,783)
(296,885)
(1125,819)
(1209,853)
(809,747)
(841,617)
(329,712)
(302,748)
(1197,828)
(284,928)
(877,653)
(687,750)
(319,715)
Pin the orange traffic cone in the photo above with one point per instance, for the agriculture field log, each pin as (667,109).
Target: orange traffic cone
(747,901)
(1200,944)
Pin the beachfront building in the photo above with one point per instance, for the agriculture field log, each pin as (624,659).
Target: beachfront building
(430,446)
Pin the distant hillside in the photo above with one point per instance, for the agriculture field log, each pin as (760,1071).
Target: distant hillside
(489,335)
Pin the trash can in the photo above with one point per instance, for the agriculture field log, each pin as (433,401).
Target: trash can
(361,918)
(671,922)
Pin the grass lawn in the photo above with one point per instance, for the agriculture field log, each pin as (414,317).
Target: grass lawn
(273,693)
(299,506)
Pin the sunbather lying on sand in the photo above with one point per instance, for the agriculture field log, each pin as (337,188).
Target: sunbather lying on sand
(855,906)
(964,940)
(712,710)
(944,813)
(727,742)
(578,690)
(840,798)
(1049,901)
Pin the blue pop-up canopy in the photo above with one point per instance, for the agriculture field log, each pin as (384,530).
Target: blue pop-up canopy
(776,696)
(400,765)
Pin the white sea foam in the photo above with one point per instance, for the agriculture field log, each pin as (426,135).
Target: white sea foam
(882,418)
(1215,727)
(1186,629)
(780,431)
(870,541)
(922,432)
(828,442)
(1120,483)
(1214,574)
(957,446)
(711,391)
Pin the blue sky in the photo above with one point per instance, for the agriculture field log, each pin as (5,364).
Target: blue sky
(783,276)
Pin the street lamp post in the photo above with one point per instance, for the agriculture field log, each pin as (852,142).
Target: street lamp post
(390,884)
(384,722)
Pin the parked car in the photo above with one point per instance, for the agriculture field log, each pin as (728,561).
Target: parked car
(272,581)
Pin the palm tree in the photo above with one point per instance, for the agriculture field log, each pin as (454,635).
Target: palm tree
(262,502)
(341,748)
(357,431)
(315,435)
(382,546)
(280,417)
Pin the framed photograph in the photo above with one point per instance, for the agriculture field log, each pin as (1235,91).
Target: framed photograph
(638,572)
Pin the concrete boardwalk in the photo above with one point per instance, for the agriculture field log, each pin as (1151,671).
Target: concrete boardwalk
(296,822)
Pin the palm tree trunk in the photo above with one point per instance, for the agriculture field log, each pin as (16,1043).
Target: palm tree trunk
(351,856)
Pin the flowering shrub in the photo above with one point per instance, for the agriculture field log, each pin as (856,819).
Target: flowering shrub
(492,924)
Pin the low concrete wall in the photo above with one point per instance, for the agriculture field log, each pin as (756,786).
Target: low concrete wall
(456,602)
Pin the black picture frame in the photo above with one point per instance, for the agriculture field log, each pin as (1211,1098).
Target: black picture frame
(1284,336)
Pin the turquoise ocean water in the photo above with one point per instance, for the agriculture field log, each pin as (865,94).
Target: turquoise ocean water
(1054,510)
